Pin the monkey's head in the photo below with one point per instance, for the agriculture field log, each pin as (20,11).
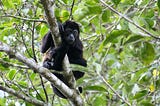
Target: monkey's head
(69,31)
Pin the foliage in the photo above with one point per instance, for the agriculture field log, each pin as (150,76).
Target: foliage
(116,50)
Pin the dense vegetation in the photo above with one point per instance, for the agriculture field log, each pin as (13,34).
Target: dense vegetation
(121,41)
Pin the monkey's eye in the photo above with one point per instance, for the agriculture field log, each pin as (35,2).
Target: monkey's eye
(68,31)
(75,32)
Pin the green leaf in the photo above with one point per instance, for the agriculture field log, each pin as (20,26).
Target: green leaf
(149,14)
(32,76)
(57,13)
(146,103)
(140,21)
(133,39)
(2,67)
(2,27)
(43,30)
(114,34)
(95,88)
(3,101)
(147,53)
(158,3)
(116,2)
(65,15)
(138,74)
(7,31)
(17,2)
(23,84)
(134,29)
(96,1)
(11,74)
(99,100)
(112,37)
(76,67)
(150,22)
(8,4)
(28,104)
(140,94)
(65,1)
(95,9)
(106,15)
(14,87)
(81,13)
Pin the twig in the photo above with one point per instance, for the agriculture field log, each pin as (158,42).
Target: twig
(25,45)
(25,19)
(35,58)
(45,92)
(155,62)
(71,17)
(33,50)
(146,7)
(34,87)
(13,65)
(113,90)
(8,83)
(129,20)
(23,39)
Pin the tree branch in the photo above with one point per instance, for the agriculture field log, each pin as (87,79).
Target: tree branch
(71,10)
(69,93)
(13,65)
(22,96)
(25,19)
(114,91)
(129,20)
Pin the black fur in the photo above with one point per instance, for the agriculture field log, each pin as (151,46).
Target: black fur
(71,45)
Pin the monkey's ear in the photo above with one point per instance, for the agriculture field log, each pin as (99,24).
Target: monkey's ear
(61,28)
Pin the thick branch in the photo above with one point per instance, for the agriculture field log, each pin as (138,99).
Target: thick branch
(129,20)
(69,93)
(22,96)
(51,20)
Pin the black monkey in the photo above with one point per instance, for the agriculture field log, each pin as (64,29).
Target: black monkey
(70,45)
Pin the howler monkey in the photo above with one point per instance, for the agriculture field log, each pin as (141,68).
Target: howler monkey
(70,45)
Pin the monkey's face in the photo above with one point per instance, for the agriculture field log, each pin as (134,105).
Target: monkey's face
(70,35)
(69,32)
